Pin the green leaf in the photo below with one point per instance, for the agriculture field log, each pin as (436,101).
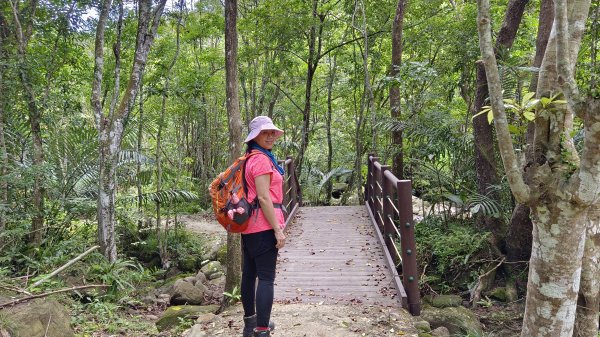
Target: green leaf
(530,116)
(528,96)
(490,116)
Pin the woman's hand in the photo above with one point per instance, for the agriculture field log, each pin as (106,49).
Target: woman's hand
(280,239)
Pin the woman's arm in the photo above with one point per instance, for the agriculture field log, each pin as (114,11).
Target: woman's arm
(263,184)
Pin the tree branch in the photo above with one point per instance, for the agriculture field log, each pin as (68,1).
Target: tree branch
(65,266)
(517,185)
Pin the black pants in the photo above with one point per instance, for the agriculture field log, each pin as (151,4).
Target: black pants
(260,258)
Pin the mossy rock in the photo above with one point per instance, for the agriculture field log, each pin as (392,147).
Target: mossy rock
(499,294)
(222,255)
(170,317)
(188,263)
(443,301)
(39,318)
(458,320)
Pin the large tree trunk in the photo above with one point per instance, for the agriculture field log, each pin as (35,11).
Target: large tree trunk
(110,125)
(483,135)
(396,112)
(328,116)
(558,196)
(234,261)
(518,245)
(588,302)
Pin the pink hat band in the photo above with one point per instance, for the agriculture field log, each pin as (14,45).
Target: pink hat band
(259,124)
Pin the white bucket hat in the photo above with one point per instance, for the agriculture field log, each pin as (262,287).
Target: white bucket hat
(259,124)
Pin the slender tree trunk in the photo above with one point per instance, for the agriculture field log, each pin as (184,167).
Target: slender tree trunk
(483,136)
(272,102)
(3,149)
(314,50)
(234,261)
(110,125)
(35,116)
(396,112)
(332,71)
(138,166)
(518,244)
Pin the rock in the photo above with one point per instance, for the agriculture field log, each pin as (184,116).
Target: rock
(206,318)
(190,279)
(188,263)
(196,331)
(186,293)
(458,320)
(422,326)
(170,317)
(39,318)
(201,286)
(443,301)
(163,299)
(222,255)
(218,282)
(499,293)
(211,268)
(441,332)
(215,275)
(200,277)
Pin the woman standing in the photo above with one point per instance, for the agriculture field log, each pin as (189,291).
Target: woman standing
(264,235)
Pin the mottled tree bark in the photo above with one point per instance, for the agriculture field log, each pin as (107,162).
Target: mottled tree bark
(518,245)
(483,135)
(110,125)
(234,260)
(558,196)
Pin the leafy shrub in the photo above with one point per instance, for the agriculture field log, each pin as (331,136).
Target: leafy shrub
(450,257)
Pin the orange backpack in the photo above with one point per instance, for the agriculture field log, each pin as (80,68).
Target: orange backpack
(228,193)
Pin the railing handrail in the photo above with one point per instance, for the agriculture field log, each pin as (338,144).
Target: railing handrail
(389,200)
(292,194)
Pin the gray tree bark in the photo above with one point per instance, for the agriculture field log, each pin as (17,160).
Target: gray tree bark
(110,125)
(557,195)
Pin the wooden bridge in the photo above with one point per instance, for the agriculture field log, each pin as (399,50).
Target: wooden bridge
(353,254)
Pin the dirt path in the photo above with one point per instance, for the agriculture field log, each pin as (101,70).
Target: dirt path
(315,320)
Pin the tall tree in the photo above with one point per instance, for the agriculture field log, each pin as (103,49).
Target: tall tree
(23,22)
(110,124)
(485,159)
(518,244)
(234,261)
(561,186)
(396,112)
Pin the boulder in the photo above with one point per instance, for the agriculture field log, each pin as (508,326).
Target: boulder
(443,301)
(200,277)
(170,317)
(458,320)
(196,331)
(441,332)
(213,267)
(186,293)
(39,318)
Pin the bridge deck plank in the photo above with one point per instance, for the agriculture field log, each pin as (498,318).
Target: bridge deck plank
(333,256)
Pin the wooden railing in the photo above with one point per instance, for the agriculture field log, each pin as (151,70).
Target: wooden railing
(389,201)
(292,195)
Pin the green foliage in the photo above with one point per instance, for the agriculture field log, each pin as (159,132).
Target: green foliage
(122,276)
(450,256)
(234,296)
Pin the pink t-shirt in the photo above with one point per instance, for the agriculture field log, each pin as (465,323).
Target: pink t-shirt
(257,165)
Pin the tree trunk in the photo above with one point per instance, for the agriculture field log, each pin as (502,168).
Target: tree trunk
(110,125)
(138,164)
(588,302)
(234,261)
(331,79)
(35,117)
(3,149)
(396,112)
(314,50)
(483,136)
(518,245)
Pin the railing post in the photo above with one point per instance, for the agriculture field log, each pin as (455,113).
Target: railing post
(293,181)
(379,174)
(369,182)
(388,214)
(372,184)
(410,275)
